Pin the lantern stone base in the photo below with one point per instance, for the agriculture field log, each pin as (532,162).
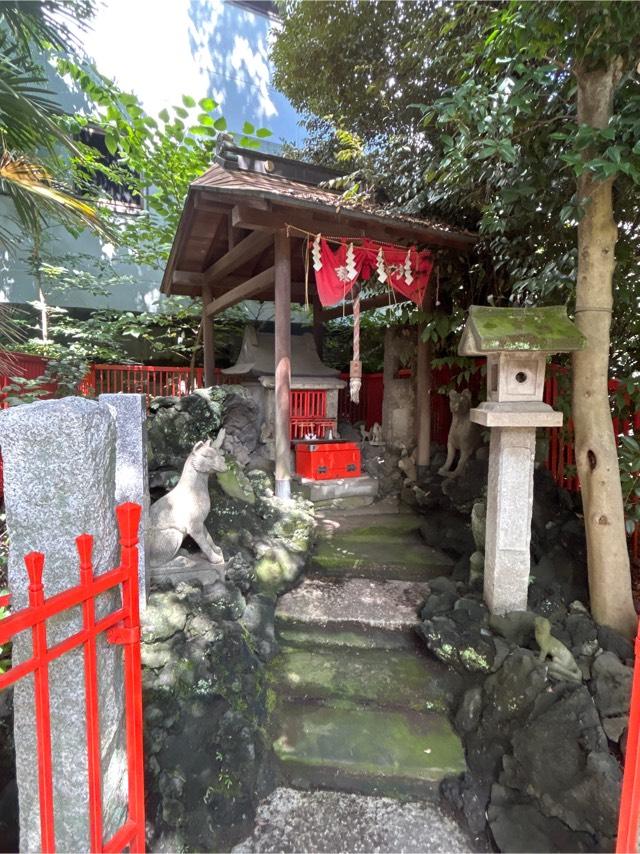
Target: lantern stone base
(519,414)
(509,508)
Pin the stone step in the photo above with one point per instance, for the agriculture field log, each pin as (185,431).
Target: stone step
(370,751)
(389,546)
(339,488)
(290,820)
(355,612)
(386,678)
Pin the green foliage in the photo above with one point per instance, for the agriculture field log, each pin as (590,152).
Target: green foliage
(629,461)
(32,136)
(467,111)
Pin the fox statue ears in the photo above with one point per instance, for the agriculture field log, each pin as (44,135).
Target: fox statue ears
(454,395)
(211,443)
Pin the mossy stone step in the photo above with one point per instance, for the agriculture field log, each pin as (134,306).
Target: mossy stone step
(387,678)
(391,549)
(371,751)
(352,612)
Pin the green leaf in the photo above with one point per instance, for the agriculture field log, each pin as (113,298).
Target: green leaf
(220,124)
(263,133)
(188,101)
(484,153)
(247,127)
(163,115)
(207,104)
(111,142)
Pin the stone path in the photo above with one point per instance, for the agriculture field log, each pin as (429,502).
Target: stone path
(290,821)
(359,707)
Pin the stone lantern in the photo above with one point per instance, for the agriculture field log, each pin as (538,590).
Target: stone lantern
(516,343)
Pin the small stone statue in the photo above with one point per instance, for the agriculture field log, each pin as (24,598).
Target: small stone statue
(376,437)
(464,435)
(563,664)
(407,464)
(183,510)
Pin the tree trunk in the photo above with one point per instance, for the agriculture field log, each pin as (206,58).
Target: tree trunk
(596,454)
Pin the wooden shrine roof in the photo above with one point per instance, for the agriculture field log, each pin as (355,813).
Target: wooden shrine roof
(225,235)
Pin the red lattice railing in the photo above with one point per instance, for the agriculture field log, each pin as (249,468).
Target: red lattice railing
(151,380)
(121,626)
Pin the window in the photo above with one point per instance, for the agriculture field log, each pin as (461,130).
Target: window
(121,197)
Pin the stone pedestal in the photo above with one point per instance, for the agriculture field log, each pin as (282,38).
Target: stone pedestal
(508,528)
(132,478)
(59,481)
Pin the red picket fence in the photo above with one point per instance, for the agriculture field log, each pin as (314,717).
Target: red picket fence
(121,626)
(369,409)
(154,381)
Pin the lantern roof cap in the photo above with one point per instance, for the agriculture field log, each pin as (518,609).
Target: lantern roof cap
(494,330)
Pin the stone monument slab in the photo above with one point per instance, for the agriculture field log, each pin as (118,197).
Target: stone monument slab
(59,482)
(132,470)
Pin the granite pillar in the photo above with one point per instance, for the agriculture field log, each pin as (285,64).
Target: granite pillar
(132,470)
(59,480)
(508,526)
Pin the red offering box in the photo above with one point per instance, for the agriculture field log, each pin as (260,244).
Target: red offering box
(327,460)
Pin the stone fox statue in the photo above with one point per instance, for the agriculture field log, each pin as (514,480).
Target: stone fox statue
(464,435)
(183,510)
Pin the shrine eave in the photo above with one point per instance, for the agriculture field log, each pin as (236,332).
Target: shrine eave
(224,240)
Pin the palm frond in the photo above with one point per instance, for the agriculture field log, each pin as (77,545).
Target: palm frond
(34,194)
(40,24)
(27,108)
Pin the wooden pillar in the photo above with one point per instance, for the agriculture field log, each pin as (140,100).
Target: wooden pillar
(318,325)
(283,364)
(423,396)
(208,340)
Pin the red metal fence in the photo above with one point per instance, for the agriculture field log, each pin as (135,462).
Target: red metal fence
(154,381)
(121,626)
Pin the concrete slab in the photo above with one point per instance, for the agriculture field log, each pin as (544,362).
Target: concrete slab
(188,567)
(367,750)
(354,612)
(339,487)
(384,547)
(390,678)
(290,821)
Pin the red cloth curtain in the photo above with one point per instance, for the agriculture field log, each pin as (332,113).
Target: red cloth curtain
(340,270)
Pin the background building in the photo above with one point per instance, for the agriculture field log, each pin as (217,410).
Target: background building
(202,48)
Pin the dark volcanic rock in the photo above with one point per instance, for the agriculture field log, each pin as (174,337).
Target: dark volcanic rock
(574,777)
(612,641)
(465,490)
(611,689)
(450,532)
(518,826)
(465,648)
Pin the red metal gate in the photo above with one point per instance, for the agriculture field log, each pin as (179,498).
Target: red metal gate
(121,626)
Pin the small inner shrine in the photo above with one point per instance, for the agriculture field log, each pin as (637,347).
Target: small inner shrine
(257,226)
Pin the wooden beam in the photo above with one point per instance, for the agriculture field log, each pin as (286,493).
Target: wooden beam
(380,301)
(208,339)
(282,364)
(242,253)
(349,223)
(187,278)
(246,290)
(318,324)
